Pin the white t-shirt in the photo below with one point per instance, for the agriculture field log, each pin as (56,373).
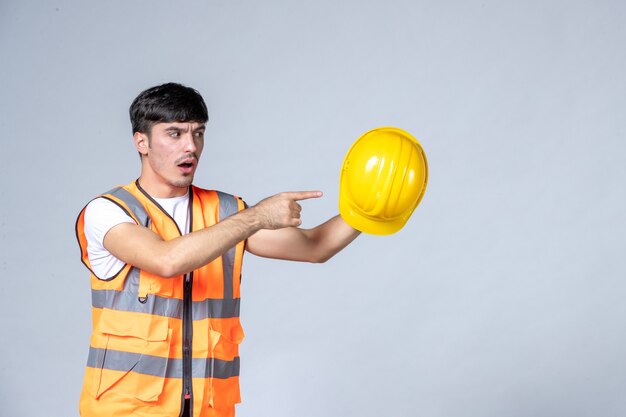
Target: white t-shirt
(101,215)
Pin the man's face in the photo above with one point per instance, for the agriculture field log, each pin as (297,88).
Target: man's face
(173,150)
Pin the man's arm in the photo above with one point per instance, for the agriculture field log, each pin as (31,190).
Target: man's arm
(310,245)
(139,246)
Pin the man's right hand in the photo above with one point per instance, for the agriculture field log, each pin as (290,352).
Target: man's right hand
(281,210)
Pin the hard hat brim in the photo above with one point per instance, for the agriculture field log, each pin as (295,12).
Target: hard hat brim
(366,225)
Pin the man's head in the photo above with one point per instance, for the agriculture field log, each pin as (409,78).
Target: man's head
(168,129)
(169,102)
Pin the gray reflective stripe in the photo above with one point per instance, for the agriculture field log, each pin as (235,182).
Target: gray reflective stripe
(162,306)
(125,361)
(228,207)
(131,285)
(201,368)
(133,204)
(126,300)
(216,308)
(157,366)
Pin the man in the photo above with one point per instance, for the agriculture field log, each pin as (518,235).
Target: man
(165,260)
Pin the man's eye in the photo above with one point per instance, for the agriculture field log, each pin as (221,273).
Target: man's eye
(199,134)
(174,134)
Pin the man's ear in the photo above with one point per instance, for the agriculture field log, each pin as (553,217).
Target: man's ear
(141,143)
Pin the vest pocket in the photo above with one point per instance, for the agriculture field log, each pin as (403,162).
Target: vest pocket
(224,343)
(133,362)
(221,386)
(150,284)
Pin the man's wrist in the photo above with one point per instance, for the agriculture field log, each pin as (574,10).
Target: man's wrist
(251,220)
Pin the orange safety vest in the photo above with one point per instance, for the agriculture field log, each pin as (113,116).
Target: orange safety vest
(155,340)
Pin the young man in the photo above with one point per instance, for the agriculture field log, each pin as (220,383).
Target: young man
(165,261)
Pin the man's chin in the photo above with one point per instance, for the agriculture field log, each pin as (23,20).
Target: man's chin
(183,182)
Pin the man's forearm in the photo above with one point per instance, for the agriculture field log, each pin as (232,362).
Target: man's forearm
(331,237)
(306,245)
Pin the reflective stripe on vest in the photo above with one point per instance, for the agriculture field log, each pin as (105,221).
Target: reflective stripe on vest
(156,366)
(227,207)
(126,300)
(136,345)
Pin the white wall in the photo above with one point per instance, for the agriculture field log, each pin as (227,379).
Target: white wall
(503,295)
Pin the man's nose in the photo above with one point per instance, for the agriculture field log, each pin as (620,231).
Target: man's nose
(190,143)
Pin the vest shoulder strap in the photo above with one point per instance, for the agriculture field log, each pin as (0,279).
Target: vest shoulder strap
(131,202)
(229,204)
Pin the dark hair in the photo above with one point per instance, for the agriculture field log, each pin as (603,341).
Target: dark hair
(169,102)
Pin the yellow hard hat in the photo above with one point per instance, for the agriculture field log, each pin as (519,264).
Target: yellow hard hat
(383,179)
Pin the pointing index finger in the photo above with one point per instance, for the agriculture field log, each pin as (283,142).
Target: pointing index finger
(303,195)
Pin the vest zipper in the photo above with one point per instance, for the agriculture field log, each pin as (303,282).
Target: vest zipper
(188,323)
(187,341)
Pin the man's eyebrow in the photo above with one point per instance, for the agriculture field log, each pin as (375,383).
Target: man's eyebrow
(183,129)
